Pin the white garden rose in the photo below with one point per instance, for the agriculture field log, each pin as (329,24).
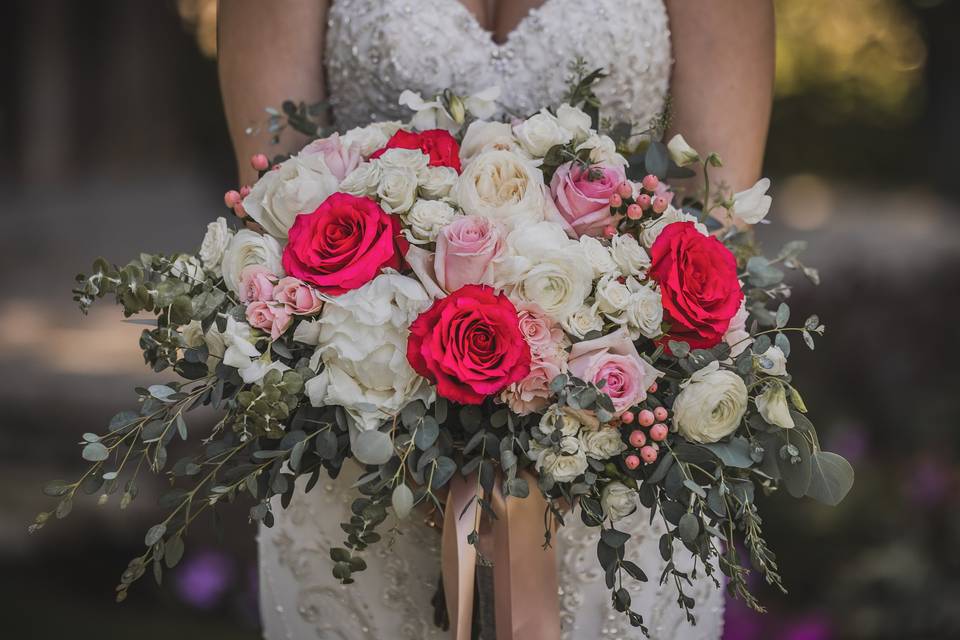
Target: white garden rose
(773,407)
(612,296)
(776,359)
(582,321)
(603,443)
(503,186)
(248,248)
(575,121)
(397,190)
(751,206)
(560,466)
(629,255)
(643,315)
(299,185)
(681,152)
(651,230)
(427,218)
(618,501)
(364,180)
(371,138)
(484,136)
(546,268)
(541,131)
(710,404)
(598,256)
(737,335)
(437,182)
(603,150)
(215,243)
(363,346)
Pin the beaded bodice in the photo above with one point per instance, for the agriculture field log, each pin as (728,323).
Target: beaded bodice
(377,48)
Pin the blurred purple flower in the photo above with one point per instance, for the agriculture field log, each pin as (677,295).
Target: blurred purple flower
(741,622)
(929,481)
(813,627)
(850,440)
(204,577)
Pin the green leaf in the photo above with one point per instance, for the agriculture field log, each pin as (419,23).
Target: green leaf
(445,467)
(427,433)
(95,452)
(154,534)
(735,453)
(173,551)
(614,538)
(402,500)
(796,477)
(518,487)
(56,488)
(372,447)
(689,527)
(831,478)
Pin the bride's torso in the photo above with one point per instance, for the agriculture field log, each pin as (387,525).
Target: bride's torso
(377,48)
(374,50)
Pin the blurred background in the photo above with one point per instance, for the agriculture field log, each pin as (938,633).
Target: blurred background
(112,136)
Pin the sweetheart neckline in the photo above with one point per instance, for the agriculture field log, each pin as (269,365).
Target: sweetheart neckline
(491,36)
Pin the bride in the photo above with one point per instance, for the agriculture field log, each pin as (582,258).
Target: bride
(359,55)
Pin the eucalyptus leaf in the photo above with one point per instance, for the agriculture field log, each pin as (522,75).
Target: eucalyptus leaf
(831,478)
(95,452)
(372,447)
(402,500)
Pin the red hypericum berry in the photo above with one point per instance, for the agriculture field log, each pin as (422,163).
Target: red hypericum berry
(632,461)
(648,453)
(650,182)
(658,432)
(627,417)
(634,212)
(660,413)
(259,161)
(646,418)
(232,198)
(637,438)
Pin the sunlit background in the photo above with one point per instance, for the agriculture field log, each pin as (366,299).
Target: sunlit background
(111,136)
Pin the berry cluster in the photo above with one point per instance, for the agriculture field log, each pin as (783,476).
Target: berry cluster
(651,429)
(649,198)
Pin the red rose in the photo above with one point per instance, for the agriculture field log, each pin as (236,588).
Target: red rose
(698,284)
(343,244)
(436,143)
(469,344)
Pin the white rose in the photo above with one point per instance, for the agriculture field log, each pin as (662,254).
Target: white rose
(612,296)
(437,182)
(773,407)
(486,136)
(629,255)
(503,186)
(710,404)
(643,315)
(546,268)
(194,336)
(582,321)
(397,190)
(248,248)
(188,269)
(777,360)
(404,160)
(364,180)
(538,133)
(363,346)
(215,243)
(562,467)
(598,256)
(618,501)
(427,218)
(651,230)
(751,206)
(575,121)
(681,152)
(371,138)
(300,185)
(737,335)
(559,418)
(603,443)
(603,150)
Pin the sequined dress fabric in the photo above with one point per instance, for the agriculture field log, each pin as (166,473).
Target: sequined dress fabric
(374,50)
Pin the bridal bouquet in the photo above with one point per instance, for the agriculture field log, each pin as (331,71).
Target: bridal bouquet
(504,320)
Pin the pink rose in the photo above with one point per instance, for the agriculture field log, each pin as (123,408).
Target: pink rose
(542,333)
(582,195)
(275,318)
(339,159)
(466,251)
(614,358)
(301,298)
(256,283)
(532,393)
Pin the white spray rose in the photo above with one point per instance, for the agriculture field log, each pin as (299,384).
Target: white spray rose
(773,407)
(427,218)
(562,467)
(371,138)
(603,150)
(618,501)
(651,230)
(363,345)
(437,182)
(643,314)
(541,131)
(710,404)
(575,121)
(364,180)
(612,296)
(397,190)
(603,443)
(503,186)
(751,206)
(629,255)
(412,160)
(777,360)
(299,185)
(681,152)
(215,243)
(582,321)
(248,248)
(598,256)
(559,418)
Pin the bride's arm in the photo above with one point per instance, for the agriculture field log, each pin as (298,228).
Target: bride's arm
(268,52)
(722,84)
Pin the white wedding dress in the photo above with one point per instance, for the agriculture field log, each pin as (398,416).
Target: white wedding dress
(375,49)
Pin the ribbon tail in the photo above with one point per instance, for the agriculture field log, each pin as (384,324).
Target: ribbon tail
(459,557)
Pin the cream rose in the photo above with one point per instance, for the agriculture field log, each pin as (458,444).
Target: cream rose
(651,230)
(364,180)
(541,131)
(503,186)
(484,136)
(629,255)
(368,139)
(582,321)
(603,443)
(710,404)
(598,256)
(248,248)
(612,296)
(643,314)
(575,121)
(437,182)
(618,501)
(560,466)
(561,419)
(397,190)
(215,243)
(603,150)
(427,218)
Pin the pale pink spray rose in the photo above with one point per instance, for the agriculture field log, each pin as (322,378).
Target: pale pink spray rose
(301,298)
(466,251)
(542,333)
(341,160)
(275,318)
(615,359)
(582,196)
(256,284)
(532,394)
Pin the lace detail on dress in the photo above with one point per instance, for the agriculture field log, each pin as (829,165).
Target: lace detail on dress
(377,48)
